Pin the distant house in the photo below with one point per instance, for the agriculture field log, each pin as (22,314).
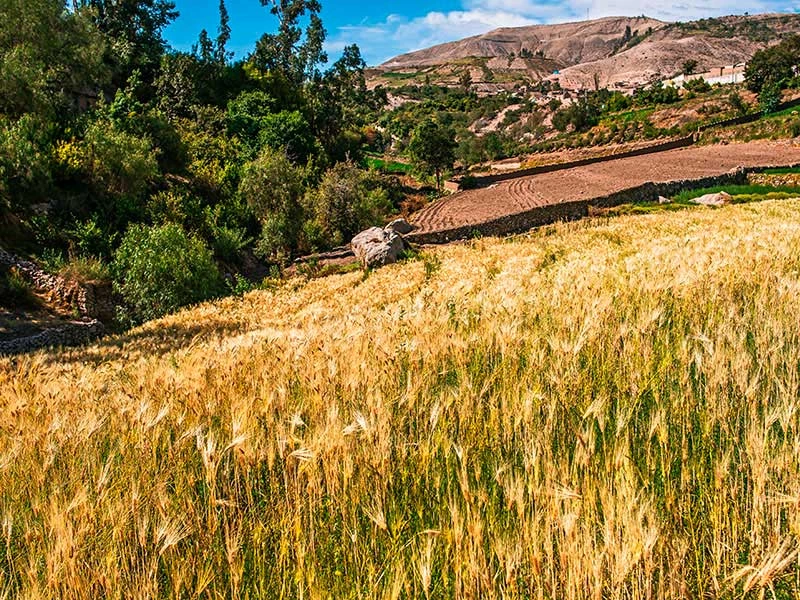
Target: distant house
(722,75)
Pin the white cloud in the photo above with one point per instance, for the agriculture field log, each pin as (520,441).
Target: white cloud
(398,34)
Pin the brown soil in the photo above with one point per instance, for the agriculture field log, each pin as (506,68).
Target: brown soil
(584,183)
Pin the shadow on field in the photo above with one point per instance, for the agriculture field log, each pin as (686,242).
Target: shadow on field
(152,340)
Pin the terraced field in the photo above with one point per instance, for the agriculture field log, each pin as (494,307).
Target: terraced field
(593,181)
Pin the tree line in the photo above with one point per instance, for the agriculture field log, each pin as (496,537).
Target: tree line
(119,151)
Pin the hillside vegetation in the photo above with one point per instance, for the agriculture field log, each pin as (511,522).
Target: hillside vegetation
(606,409)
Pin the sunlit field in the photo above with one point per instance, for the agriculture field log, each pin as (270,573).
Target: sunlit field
(601,410)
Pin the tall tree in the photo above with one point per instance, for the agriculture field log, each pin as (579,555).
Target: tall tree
(292,53)
(432,149)
(48,56)
(773,67)
(337,98)
(223,35)
(134,32)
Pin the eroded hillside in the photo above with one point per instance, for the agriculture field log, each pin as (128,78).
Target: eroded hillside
(610,52)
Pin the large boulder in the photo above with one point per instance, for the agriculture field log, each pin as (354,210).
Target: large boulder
(719,199)
(377,247)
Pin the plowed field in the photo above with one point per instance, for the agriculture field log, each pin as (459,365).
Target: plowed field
(584,183)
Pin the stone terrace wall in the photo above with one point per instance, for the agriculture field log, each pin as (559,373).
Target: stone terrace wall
(568,211)
(655,148)
(93,301)
(72,334)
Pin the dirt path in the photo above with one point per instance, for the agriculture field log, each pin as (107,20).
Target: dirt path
(584,183)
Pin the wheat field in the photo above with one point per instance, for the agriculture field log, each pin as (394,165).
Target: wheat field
(600,410)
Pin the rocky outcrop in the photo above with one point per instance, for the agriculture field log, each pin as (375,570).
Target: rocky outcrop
(377,247)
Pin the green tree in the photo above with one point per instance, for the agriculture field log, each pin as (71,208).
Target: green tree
(432,149)
(773,66)
(246,114)
(133,29)
(348,200)
(223,35)
(290,133)
(465,80)
(274,188)
(737,104)
(769,97)
(48,57)
(159,269)
(292,53)
(25,162)
(178,84)
(581,115)
(689,66)
(338,103)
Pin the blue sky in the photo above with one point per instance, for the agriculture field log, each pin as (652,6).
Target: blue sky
(383,29)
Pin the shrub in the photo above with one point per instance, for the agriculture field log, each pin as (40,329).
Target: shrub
(274,189)
(738,104)
(159,269)
(117,162)
(25,161)
(15,292)
(85,269)
(698,86)
(347,201)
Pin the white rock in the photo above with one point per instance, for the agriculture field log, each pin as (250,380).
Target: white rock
(719,199)
(400,226)
(377,247)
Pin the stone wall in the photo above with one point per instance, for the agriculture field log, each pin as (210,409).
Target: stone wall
(515,223)
(94,302)
(71,334)
(654,149)
(90,300)
(568,211)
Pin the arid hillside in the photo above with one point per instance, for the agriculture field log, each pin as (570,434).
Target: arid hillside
(568,43)
(609,52)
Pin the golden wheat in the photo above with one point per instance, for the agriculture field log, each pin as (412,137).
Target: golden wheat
(606,409)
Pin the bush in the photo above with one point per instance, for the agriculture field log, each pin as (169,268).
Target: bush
(273,188)
(15,292)
(347,201)
(85,269)
(159,269)
(698,86)
(25,162)
(118,163)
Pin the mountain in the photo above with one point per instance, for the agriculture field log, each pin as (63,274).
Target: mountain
(614,51)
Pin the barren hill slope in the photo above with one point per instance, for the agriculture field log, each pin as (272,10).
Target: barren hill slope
(605,52)
(711,42)
(568,43)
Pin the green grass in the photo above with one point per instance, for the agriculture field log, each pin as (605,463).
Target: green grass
(784,113)
(628,116)
(401,76)
(783,171)
(389,166)
(741,193)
